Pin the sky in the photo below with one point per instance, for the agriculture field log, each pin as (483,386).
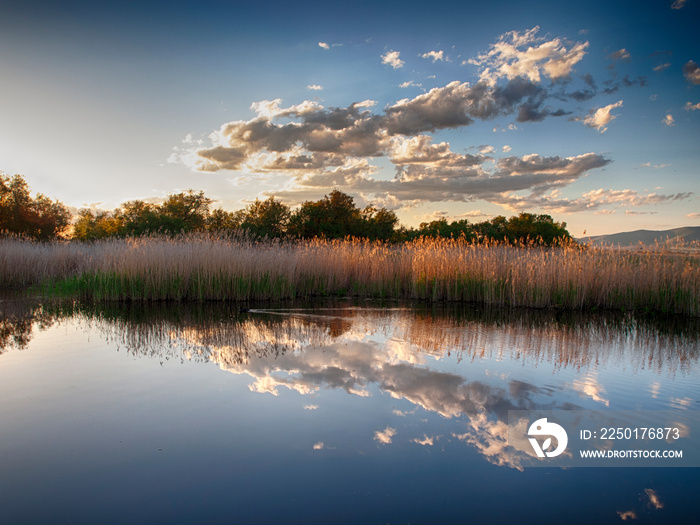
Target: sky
(586,111)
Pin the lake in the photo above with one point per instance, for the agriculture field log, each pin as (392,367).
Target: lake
(327,412)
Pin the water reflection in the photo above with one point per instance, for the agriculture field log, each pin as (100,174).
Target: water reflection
(462,364)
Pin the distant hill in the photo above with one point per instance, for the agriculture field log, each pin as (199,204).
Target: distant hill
(688,234)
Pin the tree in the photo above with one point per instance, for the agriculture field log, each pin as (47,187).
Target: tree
(186,211)
(222,220)
(537,228)
(269,218)
(333,217)
(137,218)
(91,226)
(378,224)
(21,214)
(49,219)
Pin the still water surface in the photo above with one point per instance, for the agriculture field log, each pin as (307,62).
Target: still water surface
(325,413)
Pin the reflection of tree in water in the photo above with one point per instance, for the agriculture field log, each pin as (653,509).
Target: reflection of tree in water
(19,316)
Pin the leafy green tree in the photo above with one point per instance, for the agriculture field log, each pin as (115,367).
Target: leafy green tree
(333,217)
(186,211)
(269,218)
(38,217)
(441,228)
(138,218)
(91,226)
(378,224)
(536,228)
(436,228)
(494,229)
(222,220)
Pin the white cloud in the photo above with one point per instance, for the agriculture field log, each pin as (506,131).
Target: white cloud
(409,83)
(691,107)
(589,201)
(668,120)
(526,55)
(662,67)
(600,118)
(654,500)
(270,109)
(319,148)
(620,54)
(693,215)
(691,71)
(434,55)
(678,4)
(324,45)
(627,515)
(392,58)
(314,87)
(319,445)
(655,166)
(468,214)
(385,436)
(425,441)
(310,407)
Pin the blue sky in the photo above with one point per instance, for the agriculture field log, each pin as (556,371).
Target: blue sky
(586,111)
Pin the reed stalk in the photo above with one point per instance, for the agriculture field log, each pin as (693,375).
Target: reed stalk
(198,267)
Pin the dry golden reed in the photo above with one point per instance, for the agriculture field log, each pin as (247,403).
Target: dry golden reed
(205,267)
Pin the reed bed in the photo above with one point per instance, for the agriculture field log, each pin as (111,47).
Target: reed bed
(205,267)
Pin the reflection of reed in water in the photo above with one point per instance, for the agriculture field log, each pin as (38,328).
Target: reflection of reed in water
(209,331)
(534,338)
(220,333)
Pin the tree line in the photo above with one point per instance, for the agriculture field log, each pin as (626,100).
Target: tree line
(335,216)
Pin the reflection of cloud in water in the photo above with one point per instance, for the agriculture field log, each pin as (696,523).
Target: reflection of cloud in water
(355,365)
(491,439)
(393,350)
(654,389)
(679,403)
(683,431)
(590,387)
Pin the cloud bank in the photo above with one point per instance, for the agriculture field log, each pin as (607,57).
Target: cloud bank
(521,76)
